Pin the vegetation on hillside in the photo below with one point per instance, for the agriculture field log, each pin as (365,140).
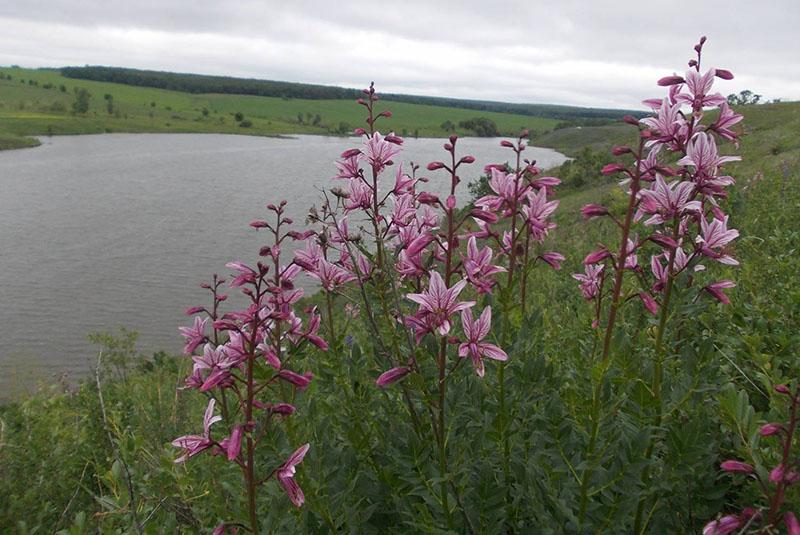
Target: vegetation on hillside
(199,83)
(44,102)
(571,434)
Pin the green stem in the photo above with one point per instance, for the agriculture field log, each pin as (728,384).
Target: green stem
(658,373)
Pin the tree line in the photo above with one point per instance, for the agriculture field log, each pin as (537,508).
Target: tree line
(198,83)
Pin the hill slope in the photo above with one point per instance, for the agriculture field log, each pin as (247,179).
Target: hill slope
(40,102)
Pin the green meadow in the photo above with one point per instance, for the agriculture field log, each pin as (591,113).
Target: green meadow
(43,108)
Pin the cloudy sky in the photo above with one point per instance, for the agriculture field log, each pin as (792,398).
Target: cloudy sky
(592,53)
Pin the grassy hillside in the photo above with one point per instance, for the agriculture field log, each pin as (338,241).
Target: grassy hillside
(39,102)
(753,342)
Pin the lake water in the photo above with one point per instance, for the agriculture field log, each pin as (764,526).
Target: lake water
(118,230)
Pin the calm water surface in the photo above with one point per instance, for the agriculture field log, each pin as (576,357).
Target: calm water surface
(117,230)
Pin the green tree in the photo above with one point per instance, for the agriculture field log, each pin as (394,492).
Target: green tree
(81,103)
(109,98)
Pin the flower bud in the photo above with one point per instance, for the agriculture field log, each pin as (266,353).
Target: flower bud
(670,80)
(359,131)
(593,210)
(737,467)
(300,381)
(450,203)
(484,215)
(385,113)
(507,144)
(612,168)
(619,151)
(453,138)
(391,138)
(792,525)
(664,241)
(349,153)
(258,223)
(631,120)
(782,389)
(649,303)
(433,166)
(724,74)
(467,159)
(194,310)
(392,376)
(770,429)
(596,256)
(427,198)
(553,259)
(777,473)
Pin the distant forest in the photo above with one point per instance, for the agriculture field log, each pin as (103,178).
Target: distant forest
(199,83)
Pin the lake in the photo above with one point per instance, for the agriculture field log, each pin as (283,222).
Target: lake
(115,230)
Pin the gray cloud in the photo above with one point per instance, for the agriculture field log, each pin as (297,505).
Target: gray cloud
(569,52)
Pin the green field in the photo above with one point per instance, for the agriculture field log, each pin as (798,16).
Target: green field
(27,110)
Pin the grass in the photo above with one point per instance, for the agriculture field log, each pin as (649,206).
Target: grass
(28,110)
(755,342)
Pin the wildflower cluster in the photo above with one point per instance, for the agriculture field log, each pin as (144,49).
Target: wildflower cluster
(773,483)
(675,199)
(413,247)
(243,363)
(674,181)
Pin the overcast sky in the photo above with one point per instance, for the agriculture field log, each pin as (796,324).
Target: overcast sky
(591,53)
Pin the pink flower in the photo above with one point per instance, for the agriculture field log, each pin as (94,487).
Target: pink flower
(392,376)
(233,444)
(666,201)
(379,151)
(668,123)
(702,154)
(590,282)
(698,86)
(475,331)
(737,466)
(348,167)
(194,444)
(478,267)
(360,196)
(195,335)
(402,182)
(727,118)
(246,275)
(507,191)
(330,275)
(218,361)
(715,236)
(724,526)
(536,212)
(440,302)
(309,257)
(286,472)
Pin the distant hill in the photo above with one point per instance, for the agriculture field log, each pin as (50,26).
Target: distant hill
(200,83)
